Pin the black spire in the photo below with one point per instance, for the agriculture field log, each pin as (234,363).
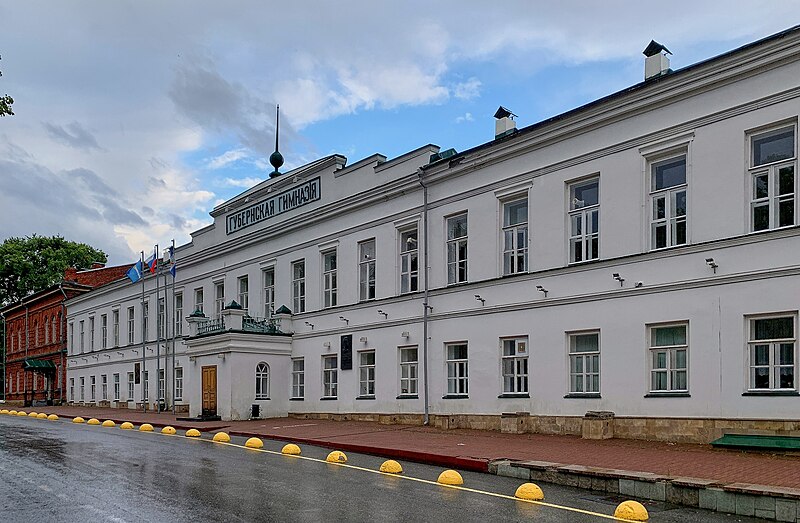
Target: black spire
(276,158)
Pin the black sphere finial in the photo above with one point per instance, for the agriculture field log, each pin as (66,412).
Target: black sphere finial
(276,158)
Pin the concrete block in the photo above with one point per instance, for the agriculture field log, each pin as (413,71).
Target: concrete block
(627,487)
(708,498)
(656,491)
(785,510)
(506,470)
(765,503)
(726,502)
(765,514)
(745,505)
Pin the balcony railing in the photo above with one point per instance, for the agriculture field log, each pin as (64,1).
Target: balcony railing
(261,325)
(211,326)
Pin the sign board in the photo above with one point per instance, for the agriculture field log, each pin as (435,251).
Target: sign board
(347,352)
(280,203)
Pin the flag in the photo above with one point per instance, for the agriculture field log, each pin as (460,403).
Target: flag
(152,261)
(173,270)
(135,272)
(171,251)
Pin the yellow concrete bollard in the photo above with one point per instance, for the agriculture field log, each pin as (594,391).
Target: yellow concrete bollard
(169,431)
(93,421)
(291,449)
(22,413)
(52,417)
(253,443)
(390,466)
(33,414)
(146,427)
(41,415)
(109,423)
(3,411)
(529,491)
(337,456)
(127,425)
(631,511)
(12,412)
(192,433)
(221,437)
(450,477)
(78,419)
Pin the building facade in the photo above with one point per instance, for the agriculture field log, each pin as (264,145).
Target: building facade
(35,337)
(637,255)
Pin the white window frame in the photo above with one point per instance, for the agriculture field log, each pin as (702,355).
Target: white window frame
(146,385)
(162,384)
(329,278)
(178,314)
(198,299)
(409,371)
(671,219)
(219,298)
(131,325)
(115,326)
(330,376)
(366,374)
(298,378)
(116,386)
(457,369)
(299,286)
(131,384)
(104,387)
(262,381)
(587,359)
(774,364)
(408,262)
(71,388)
(670,353)
(580,219)
(92,387)
(82,389)
(82,334)
(145,317)
(178,383)
(514,237)
(243,287)
(162,319)
(457,243)
(91,333)
(366,269)
(514,361)
(71,338)
(268,290)
(771,170)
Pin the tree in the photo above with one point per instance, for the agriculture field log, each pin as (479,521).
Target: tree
(5,102)
(34,263)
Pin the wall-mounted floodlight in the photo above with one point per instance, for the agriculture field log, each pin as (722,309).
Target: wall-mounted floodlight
(711,263)
(363,339)
(384,314)
(310,324)
(482,300)
(619,278)
(344,320)
(327,345)
(542,290)
(405,334)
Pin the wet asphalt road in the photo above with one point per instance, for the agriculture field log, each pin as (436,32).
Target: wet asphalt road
(62,472)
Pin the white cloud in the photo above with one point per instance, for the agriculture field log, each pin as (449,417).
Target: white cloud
(244,183)
(227,158)
(467,117)
(467,90)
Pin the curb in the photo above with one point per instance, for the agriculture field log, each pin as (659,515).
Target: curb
(155,423)
(743,499)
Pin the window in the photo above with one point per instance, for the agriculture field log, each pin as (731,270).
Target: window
(515,365)
(71,338)
(116,387)
(515,236)
(115,323)
(457,249)
(47,331)
(83,387)
(457,369)
(366,270)
(268,279)
(162,382)
(330,377)
(668,191)
(409,261)
(299,286)
(244,300)
(329,283)
(80,324)
(178,314)
(35,333)
(178,383)
(584,220)
(668,358)
(298,378)
(104,331)
(91,333)
(146,385)
(262,381)
(584,363)
(57,332)
(771,350)
(131,325)
(773,166)
(219,299)
(366,373)
(72,389)
(408,371)
(145,314)
(130,386)
(162,318)
(92,387)
(104,387)
(198,299)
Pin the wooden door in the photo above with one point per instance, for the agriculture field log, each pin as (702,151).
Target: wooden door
(210,390)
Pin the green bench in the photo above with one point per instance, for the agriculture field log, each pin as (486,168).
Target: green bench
(758,442)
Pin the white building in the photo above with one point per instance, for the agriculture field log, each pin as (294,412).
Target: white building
(639,254)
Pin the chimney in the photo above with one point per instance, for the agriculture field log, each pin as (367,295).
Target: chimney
(70,274)
(504,123)
(98,265)
(657,61)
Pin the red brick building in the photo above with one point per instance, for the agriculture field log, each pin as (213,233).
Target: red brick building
(36,337)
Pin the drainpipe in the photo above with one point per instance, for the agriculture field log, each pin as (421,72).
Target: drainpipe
(5,349)
(25,374)
(426,417)
(62,336)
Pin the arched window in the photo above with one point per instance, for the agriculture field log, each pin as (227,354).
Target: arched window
(46,330)
(57,328)
(262,381)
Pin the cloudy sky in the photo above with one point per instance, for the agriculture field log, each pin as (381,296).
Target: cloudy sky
(135,118)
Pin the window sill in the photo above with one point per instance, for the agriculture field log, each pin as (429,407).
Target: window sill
(514,395)
(666,394)
(407,397)
(261,399)
(455,396)
(581,395)
(297,399)
(329,398)
(367,397)
(771,393)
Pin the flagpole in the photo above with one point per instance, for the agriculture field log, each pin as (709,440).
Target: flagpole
(144,349)
(158,329)
(166,338)
(175,321)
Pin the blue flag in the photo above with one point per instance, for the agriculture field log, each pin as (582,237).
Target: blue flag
(173,269)
(135,272)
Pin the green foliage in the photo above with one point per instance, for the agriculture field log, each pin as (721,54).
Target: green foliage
(5,102)
(34,263)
